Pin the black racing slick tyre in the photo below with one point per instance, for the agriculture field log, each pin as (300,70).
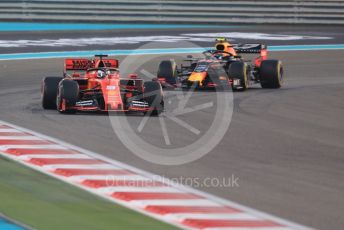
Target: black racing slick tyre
(49,92)
(271,74)
(153,95)
(168,70)
(238,70)
(68,93)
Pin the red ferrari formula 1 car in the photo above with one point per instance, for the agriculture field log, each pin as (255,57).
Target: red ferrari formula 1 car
(222,68)
(96,85)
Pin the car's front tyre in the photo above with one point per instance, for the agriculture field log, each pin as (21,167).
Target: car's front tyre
(239,71)
(68,94)
(154,96)
(49,89)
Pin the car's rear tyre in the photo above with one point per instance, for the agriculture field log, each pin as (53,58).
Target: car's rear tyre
(168,70)
(49,92)
(238,70)
(68,93)
(153,95)
(271,74)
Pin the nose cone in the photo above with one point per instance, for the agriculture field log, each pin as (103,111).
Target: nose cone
(197,76)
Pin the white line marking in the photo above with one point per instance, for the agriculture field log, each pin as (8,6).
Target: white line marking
(110,190)
(52,146)
(24,138)
(214,216)
(110,178)
(9,131)
(76,166)
(176,202)
(54,156)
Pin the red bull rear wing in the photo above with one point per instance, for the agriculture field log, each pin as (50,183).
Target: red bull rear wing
(249,48)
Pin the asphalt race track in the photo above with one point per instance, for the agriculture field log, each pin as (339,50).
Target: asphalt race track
(285,146)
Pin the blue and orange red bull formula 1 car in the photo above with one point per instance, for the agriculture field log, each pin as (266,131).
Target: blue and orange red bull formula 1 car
(96,85)
(222,68)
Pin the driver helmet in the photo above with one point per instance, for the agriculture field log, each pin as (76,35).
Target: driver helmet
(222,44)
(101,73)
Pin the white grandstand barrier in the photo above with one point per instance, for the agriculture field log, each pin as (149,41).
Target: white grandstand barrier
(200,11)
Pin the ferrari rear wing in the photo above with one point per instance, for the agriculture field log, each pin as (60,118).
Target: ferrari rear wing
(249,48)
(77,64)
(80,64)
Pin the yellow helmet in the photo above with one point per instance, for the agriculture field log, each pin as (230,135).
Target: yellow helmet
(221,39)
(222,44)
